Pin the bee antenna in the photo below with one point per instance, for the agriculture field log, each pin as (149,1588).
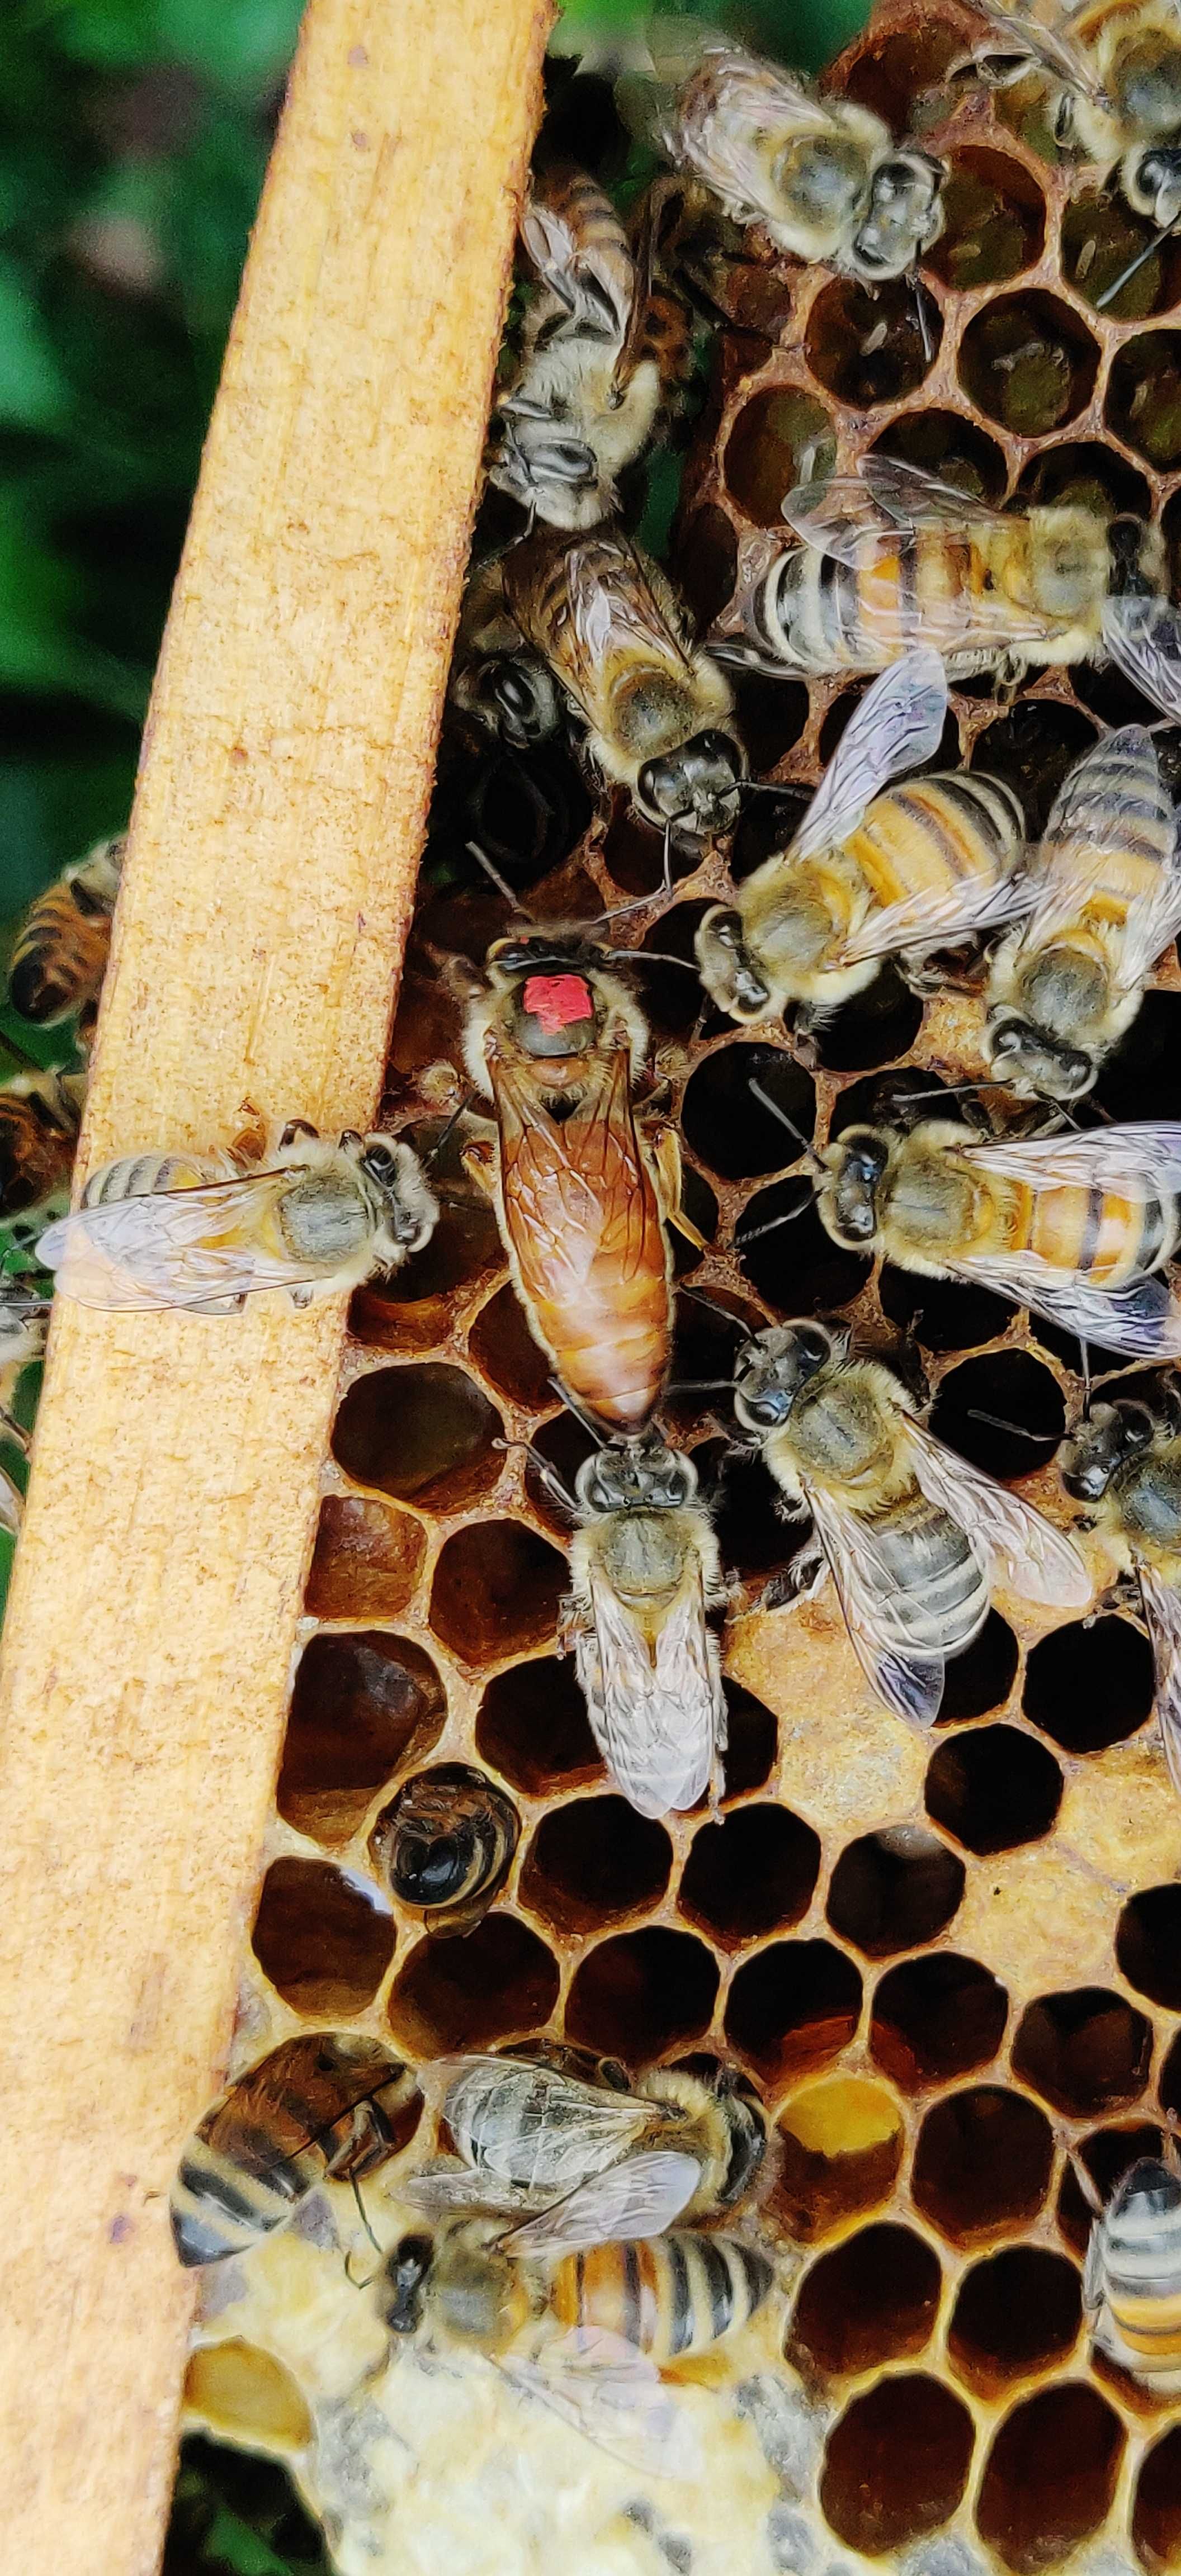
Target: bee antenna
(772,1225)
(452,1123)
(789,1123)
(701,1386)
(548,1473)
(1134,266)
(699,1295)
(912,280)
(1018,1429)
(650,957)
(587,1420)
(501,883)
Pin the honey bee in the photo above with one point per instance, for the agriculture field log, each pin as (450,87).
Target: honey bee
(823,176)
(40,1115)
(326,2106)
(445,1844)
(60,957)
(198,1231)
(867,874)
(1113,72)
(1106,899)
(509,691)
(658,710)
(24,1322)
(557,1043)
(602,351)
(912,1536)
(1124,1462)
(1077,1227)
(1132,2275)
(890,558)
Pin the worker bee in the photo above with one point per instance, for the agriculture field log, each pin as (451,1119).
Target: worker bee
(24,1322)
(912,1536)
(602,351)
(867,874)
(60,957)
(1132,2274)
(40,1115)
(1077,1227)
(1113,74)
(558,1045)
(658,711)
(197,1231)
(444,1845)
(508,690)
(1106,899)
(823,176)
(326,2106)
(1124,1462)
(890,557)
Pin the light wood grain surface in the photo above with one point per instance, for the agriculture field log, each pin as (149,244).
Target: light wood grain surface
(287,765)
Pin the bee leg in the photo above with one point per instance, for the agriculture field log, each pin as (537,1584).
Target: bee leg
(803,1026)
(799,1581)
(479,1162)
(1121,1599)
(301,1297)
(250,1143)
(295,1129)
(1009,673)
(666,1154)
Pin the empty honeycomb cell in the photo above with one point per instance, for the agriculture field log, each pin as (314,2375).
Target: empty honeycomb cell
(362,1705)
(633,854)
(796,1266)
(533,1728)
(942,1315)
(496,1592)
(750,1529)
(1144,397)
(1089,1684)
(866,344)
(641,1994)
(1108,2155)
(1101,238)
(772,715)
(1156,2510)
(1026,1406)
(982,2164)
(731,1130)
(896,2465)
(367,1560)
(1083,469)
(752,1741)
(1028,362)
(564,1443)
(875,1028)
(781,437)
(873,2300)
(1145,1069)
(672,994)
(982,1677)
(750,1874)
(1015,2315)
(768,823)
(709,1330)
(1148,1945)
(994,1790)
(840,2145)
(792,2008)
(1031,749)
(1111,697)
(526,810)
(894,1889)
(707,560)
(994,220)
(896,73)
(322,1936)
(502,1345)
(424,1434)
(498,1983)
(950,446)
(1086,2051)
(936,2018)
(1050,2477)
(593,1862)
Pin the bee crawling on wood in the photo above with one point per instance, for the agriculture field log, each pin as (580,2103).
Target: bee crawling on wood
(40,1116)
(24,1323)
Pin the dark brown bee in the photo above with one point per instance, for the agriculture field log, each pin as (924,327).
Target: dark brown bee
(60,957)
(40,1114)
(329,2105)
(444,1845)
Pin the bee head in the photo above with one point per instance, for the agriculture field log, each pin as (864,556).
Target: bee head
(409,1209)
(772,1368)
(904,215)
(694,788)
(1133,550)
(1035,1064)
(407,2272)
(728,971)
(1150,2187)
(1103,1444)
(517,696)
(554,1007)
(1146,80)
(849,1195)
(636,1475)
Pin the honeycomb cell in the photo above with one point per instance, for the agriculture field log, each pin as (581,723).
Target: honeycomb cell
(792,2008)
(1015,2315)
(707,561)
(526,810)
(444,1845)
(1086,2051)
(1004,1413)
(533,1728)
(1146,1068)
(768,824)
(894,1889)
(1144,397)
(982,1677)
(1110,696)
(708,1332)
(867,345)
(701,1207)
(840,2147)
(994,1790)
(502,1345)
(982,2164)
(594,1861)
(1088,1686)
(936,2018)
(1083,469)
(952,448)
(367,1560)
(362,1705)
(322,1936)
(672,994)
(423,1434)
(1148,1945)
(772,715)
(496,1592)
(781,437)
(1031,749)
(1101,239)
(499,1983)
(1107,2155)
(1050,2477)
(1156,2511)
(785,1253)
(1028,362)
(239,2390)
(994,220)
(871,2301)
(875,1028)
(895,75)
(731,1130)
(641,1994)
(896,2465)
(941,1315)
(564,1443)
(753,1740)
(750,1530)
(751,1874)
(633,853)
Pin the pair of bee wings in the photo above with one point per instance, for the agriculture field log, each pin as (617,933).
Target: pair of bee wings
(173,1247)
(640,2196)
(528,2132)
(1113,802)
(656,1712)
(1050,47)
(605,2388)
(1140,1161)
(575,1190)
(616,602)
(604,288)
(1006,1534)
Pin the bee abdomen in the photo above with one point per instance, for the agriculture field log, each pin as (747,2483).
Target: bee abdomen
(60,958)
(1142,2269)
(941,1597)
(139,1176)
(445,1843)
(671,2296)
(936,833)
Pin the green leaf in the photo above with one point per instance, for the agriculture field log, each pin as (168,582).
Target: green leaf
(33,391)
(242,44)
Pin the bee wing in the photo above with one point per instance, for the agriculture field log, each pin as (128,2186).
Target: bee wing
(612,608)
(1143,1156)
(1094,2271)
(1112,801)
(1048,49)
(1162,1610)
(444,2188)
(938,919)
(640,2197)
(174,1248)
(888,499)
(654,1718)
(898,724)
(593,278)
(614,2394)
(910,1683)
(1144,637)
(551,2130)
(1142,1319)
(1037,1561)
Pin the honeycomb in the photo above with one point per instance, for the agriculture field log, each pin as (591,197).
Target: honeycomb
(952,1963)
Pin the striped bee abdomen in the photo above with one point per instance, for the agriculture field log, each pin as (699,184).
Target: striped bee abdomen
(328,2103)
(927,837)
(671,2295)
(1137,2267)
(1103,1235)
(60,958)
(937,1598)
(139,1176)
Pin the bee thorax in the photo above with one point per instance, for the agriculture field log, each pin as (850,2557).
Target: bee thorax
(322,1218)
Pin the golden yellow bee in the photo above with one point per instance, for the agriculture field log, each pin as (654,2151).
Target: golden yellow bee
(444,1845)
(1124,1463)
(1132,2276)
(60,957)
(869,875)
(328,2105)
(40,1115)
(1112,71)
